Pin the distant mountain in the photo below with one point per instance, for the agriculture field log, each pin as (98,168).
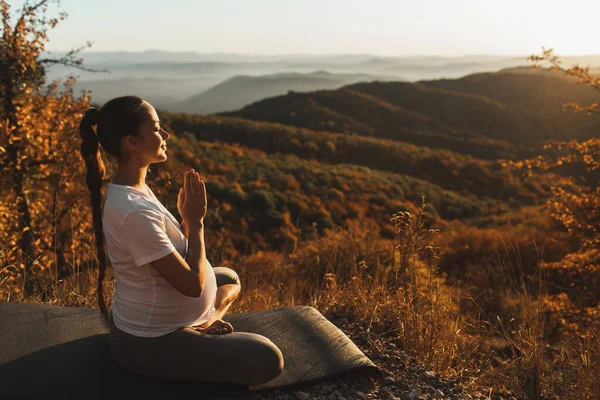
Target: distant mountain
(487,115)
(163,77)
(242,90)
(545,71)
(538,95)
(162,56)
(416,68)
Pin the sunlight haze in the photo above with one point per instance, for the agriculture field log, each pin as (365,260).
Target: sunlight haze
(383,27)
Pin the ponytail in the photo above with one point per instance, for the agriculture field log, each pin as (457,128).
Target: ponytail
(116,119)
(90,151)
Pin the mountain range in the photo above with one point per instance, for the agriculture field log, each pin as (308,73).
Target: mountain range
(168,79)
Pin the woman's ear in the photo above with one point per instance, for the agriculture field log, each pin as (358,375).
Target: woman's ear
(131,143)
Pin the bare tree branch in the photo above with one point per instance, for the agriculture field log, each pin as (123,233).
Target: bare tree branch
(581,73)
(28,9)
(69,61)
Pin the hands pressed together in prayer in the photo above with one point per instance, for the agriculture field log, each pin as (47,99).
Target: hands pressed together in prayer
(191,200)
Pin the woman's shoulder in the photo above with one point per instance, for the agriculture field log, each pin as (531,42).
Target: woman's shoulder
(118,204)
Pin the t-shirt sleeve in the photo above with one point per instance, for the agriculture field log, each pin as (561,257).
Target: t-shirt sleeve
(144,236)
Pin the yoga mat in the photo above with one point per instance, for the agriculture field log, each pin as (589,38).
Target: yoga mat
(53,351)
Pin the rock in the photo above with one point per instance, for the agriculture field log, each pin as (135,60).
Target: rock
(414,394)
(430,374)
(327,388)
(302,395)
(360,394)
(342,398)
(332,397)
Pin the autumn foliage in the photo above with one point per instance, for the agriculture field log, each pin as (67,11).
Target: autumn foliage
(44,226)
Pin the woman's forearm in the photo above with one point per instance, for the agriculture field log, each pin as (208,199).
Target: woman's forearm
(196,254)
(185,228)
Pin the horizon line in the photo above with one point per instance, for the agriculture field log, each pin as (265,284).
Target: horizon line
(150,50)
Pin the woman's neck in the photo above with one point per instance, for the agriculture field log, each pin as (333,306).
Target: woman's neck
(130,176)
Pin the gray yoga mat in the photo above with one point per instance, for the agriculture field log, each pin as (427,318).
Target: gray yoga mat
(58,352)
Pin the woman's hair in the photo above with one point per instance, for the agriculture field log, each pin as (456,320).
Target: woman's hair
(118,118)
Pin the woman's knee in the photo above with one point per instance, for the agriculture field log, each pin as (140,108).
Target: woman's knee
(226,276)
(269,362)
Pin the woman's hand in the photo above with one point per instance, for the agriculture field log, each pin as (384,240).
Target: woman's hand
(191,200)
(181,199)
(217,327)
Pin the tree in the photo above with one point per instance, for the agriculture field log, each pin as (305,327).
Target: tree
(38,131)
(578,210)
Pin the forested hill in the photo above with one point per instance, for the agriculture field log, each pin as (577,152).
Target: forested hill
(446,169)
(238,91)
(506,114)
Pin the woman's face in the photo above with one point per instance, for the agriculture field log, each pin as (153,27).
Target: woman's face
(152,146)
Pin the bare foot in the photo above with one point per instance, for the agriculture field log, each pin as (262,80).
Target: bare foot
(217,327)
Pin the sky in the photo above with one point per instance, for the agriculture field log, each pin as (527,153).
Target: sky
(279,27)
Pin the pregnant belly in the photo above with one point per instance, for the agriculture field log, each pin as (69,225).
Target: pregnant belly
(205,306)
(164,305)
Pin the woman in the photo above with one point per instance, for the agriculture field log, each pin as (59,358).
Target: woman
(166,318)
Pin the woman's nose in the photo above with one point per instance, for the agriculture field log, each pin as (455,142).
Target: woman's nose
(168,135)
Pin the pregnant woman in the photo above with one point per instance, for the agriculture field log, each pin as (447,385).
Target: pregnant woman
(166,317)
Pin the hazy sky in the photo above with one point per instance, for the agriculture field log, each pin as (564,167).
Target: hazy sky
(385,27)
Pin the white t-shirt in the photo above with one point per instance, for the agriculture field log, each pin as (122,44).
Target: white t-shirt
(138,229)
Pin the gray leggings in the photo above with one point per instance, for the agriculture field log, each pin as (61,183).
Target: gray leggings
(235,358)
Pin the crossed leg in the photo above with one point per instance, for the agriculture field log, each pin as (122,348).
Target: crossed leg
(228,289)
